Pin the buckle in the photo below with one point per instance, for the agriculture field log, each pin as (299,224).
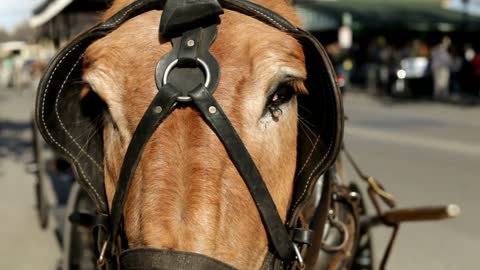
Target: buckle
(302,236)
(190,63)
(174,63)
(341,228)
(387,197)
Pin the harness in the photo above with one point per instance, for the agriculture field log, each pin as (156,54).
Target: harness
(188,76)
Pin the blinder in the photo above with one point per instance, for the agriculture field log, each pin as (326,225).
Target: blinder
(71,122)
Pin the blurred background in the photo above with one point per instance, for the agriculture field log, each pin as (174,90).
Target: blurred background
(410,72)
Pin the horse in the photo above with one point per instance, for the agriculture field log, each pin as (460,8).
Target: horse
(187,193)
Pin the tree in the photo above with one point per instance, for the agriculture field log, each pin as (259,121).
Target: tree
(4,35)
(24,32)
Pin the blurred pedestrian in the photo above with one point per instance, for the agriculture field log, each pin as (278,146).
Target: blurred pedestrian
(476,72)
(455,73)
(372,66)
(10,68)
(385,60)
(441,63)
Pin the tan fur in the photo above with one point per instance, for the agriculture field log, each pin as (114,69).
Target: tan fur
(186,194)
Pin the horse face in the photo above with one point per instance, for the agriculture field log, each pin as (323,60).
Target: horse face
(186,194)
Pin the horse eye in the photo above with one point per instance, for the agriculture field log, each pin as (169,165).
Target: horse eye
(92,101)
(283,94)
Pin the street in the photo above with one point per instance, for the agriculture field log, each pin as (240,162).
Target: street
(424,153)
(25,246)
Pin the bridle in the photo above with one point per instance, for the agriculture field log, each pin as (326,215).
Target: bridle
(190,51)
(188,76)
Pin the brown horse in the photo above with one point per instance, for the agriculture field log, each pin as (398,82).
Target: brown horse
(186,194)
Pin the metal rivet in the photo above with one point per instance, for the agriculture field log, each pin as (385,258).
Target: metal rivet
(158,109)
(212,109)
(191,43)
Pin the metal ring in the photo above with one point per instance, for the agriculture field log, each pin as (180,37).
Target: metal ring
(175,62)
(299,257)
(184,99)
(342,228)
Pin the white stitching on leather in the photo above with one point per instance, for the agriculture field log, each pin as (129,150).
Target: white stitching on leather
(310,178)
(294,208)
(309,156)
(50,135)
(266,15)
(60,120)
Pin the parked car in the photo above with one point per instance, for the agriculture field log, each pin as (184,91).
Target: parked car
(412,77)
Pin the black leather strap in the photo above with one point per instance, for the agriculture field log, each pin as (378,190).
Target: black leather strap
(261,13)
(160,107)
(88,220)
(180,15)
(218,121)
(320,218)
(187,54)
(302,236)
(133,9)
(155,259)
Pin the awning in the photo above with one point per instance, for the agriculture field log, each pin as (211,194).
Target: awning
(417,15)
(53,9)
(472,7)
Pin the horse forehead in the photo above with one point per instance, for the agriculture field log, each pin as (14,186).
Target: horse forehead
(242,42)
(243,39)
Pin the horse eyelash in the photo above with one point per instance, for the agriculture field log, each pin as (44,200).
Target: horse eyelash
(282,94)
(105,114)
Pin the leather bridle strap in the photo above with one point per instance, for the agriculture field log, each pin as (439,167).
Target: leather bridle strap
(238,153)
(155,259)
(191,49)
(218,121)
(161,106)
